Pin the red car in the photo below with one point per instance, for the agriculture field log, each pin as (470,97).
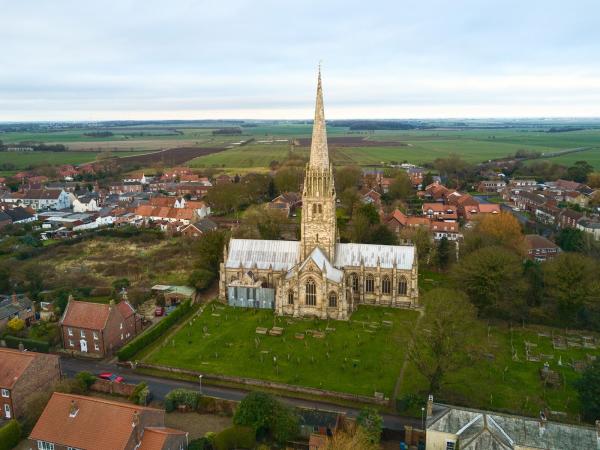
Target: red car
(111,377)
(159,311)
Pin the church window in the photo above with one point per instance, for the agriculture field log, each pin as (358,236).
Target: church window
(290,297)
(311,293)
(386,285)
(402,286)
(319,208)
(314,208)
(332,300)
(353,282)
(370,283)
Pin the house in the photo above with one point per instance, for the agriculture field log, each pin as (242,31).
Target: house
(448,230)
(529,201)
(197,229)
(78,422)
(568,218)
(98,329)
(589,226)
(223,179)
(201,208)
(371,196)
(439,211)
(148,213)
(450,427)
(398,220)
(23,373)
(576,198)
(522,183)
(540,248)
(125,187)
(286,202)
(39,199)
(16,305)
(472,212)
(85,203)
(20,215)
(547,214)
(491,186)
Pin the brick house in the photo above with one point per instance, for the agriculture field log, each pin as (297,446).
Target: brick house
(491,186)
(539,248)
(90,423)
(98,329)
(22,374)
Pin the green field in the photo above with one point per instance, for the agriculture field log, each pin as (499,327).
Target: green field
(592,156)
(23,160)
(416,146)
(361,356)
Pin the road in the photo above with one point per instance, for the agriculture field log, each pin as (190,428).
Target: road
(161,386)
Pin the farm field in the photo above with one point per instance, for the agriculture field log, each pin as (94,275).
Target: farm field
(592,156)
(26,159)
(416,146)
(361,356)
(250,155)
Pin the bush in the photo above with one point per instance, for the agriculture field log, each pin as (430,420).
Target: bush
(153,333)
(86,378)
(29,344)
(234,438)
(10,435)
(200,444)
(140,394)
(182,397)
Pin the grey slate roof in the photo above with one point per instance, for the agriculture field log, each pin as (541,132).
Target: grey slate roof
(482,430)
(8,309)
(283,255)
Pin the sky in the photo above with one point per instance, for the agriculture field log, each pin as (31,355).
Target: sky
(257,59)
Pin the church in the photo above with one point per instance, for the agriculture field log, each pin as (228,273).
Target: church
(318,276)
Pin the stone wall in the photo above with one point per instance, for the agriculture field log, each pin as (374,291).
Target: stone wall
(269,385)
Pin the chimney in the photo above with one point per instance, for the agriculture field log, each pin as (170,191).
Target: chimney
(73,409)
(111,303)
(135,421)
(430,405)
(15,300)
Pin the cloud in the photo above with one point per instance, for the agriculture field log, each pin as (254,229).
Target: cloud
(189,59)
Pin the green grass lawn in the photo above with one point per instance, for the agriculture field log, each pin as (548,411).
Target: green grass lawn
(355,357)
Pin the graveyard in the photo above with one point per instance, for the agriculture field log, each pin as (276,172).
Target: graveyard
(362,356)
(516,368)
(519,368)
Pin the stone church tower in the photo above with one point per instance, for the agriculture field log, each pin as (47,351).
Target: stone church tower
(318,228)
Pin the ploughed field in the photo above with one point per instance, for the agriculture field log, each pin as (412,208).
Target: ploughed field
(362,356)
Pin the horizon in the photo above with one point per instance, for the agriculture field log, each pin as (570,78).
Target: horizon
(136,60)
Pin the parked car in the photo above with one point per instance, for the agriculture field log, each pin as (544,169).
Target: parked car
(159,311)
(111,377)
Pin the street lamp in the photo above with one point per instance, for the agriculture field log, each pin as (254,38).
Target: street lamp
(423,418)
(200,379)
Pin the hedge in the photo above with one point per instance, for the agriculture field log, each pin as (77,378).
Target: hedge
(181,396)
(29,344)
(153,333)
(10,435)
(235,437)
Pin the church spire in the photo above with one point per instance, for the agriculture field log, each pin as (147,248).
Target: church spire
(319,154)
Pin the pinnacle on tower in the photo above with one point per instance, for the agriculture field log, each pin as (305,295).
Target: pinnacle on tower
(319,154)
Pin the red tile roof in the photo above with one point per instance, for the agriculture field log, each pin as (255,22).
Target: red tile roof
(12,365)
(155,437)
(98,425)
(125,309)
(88,315)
